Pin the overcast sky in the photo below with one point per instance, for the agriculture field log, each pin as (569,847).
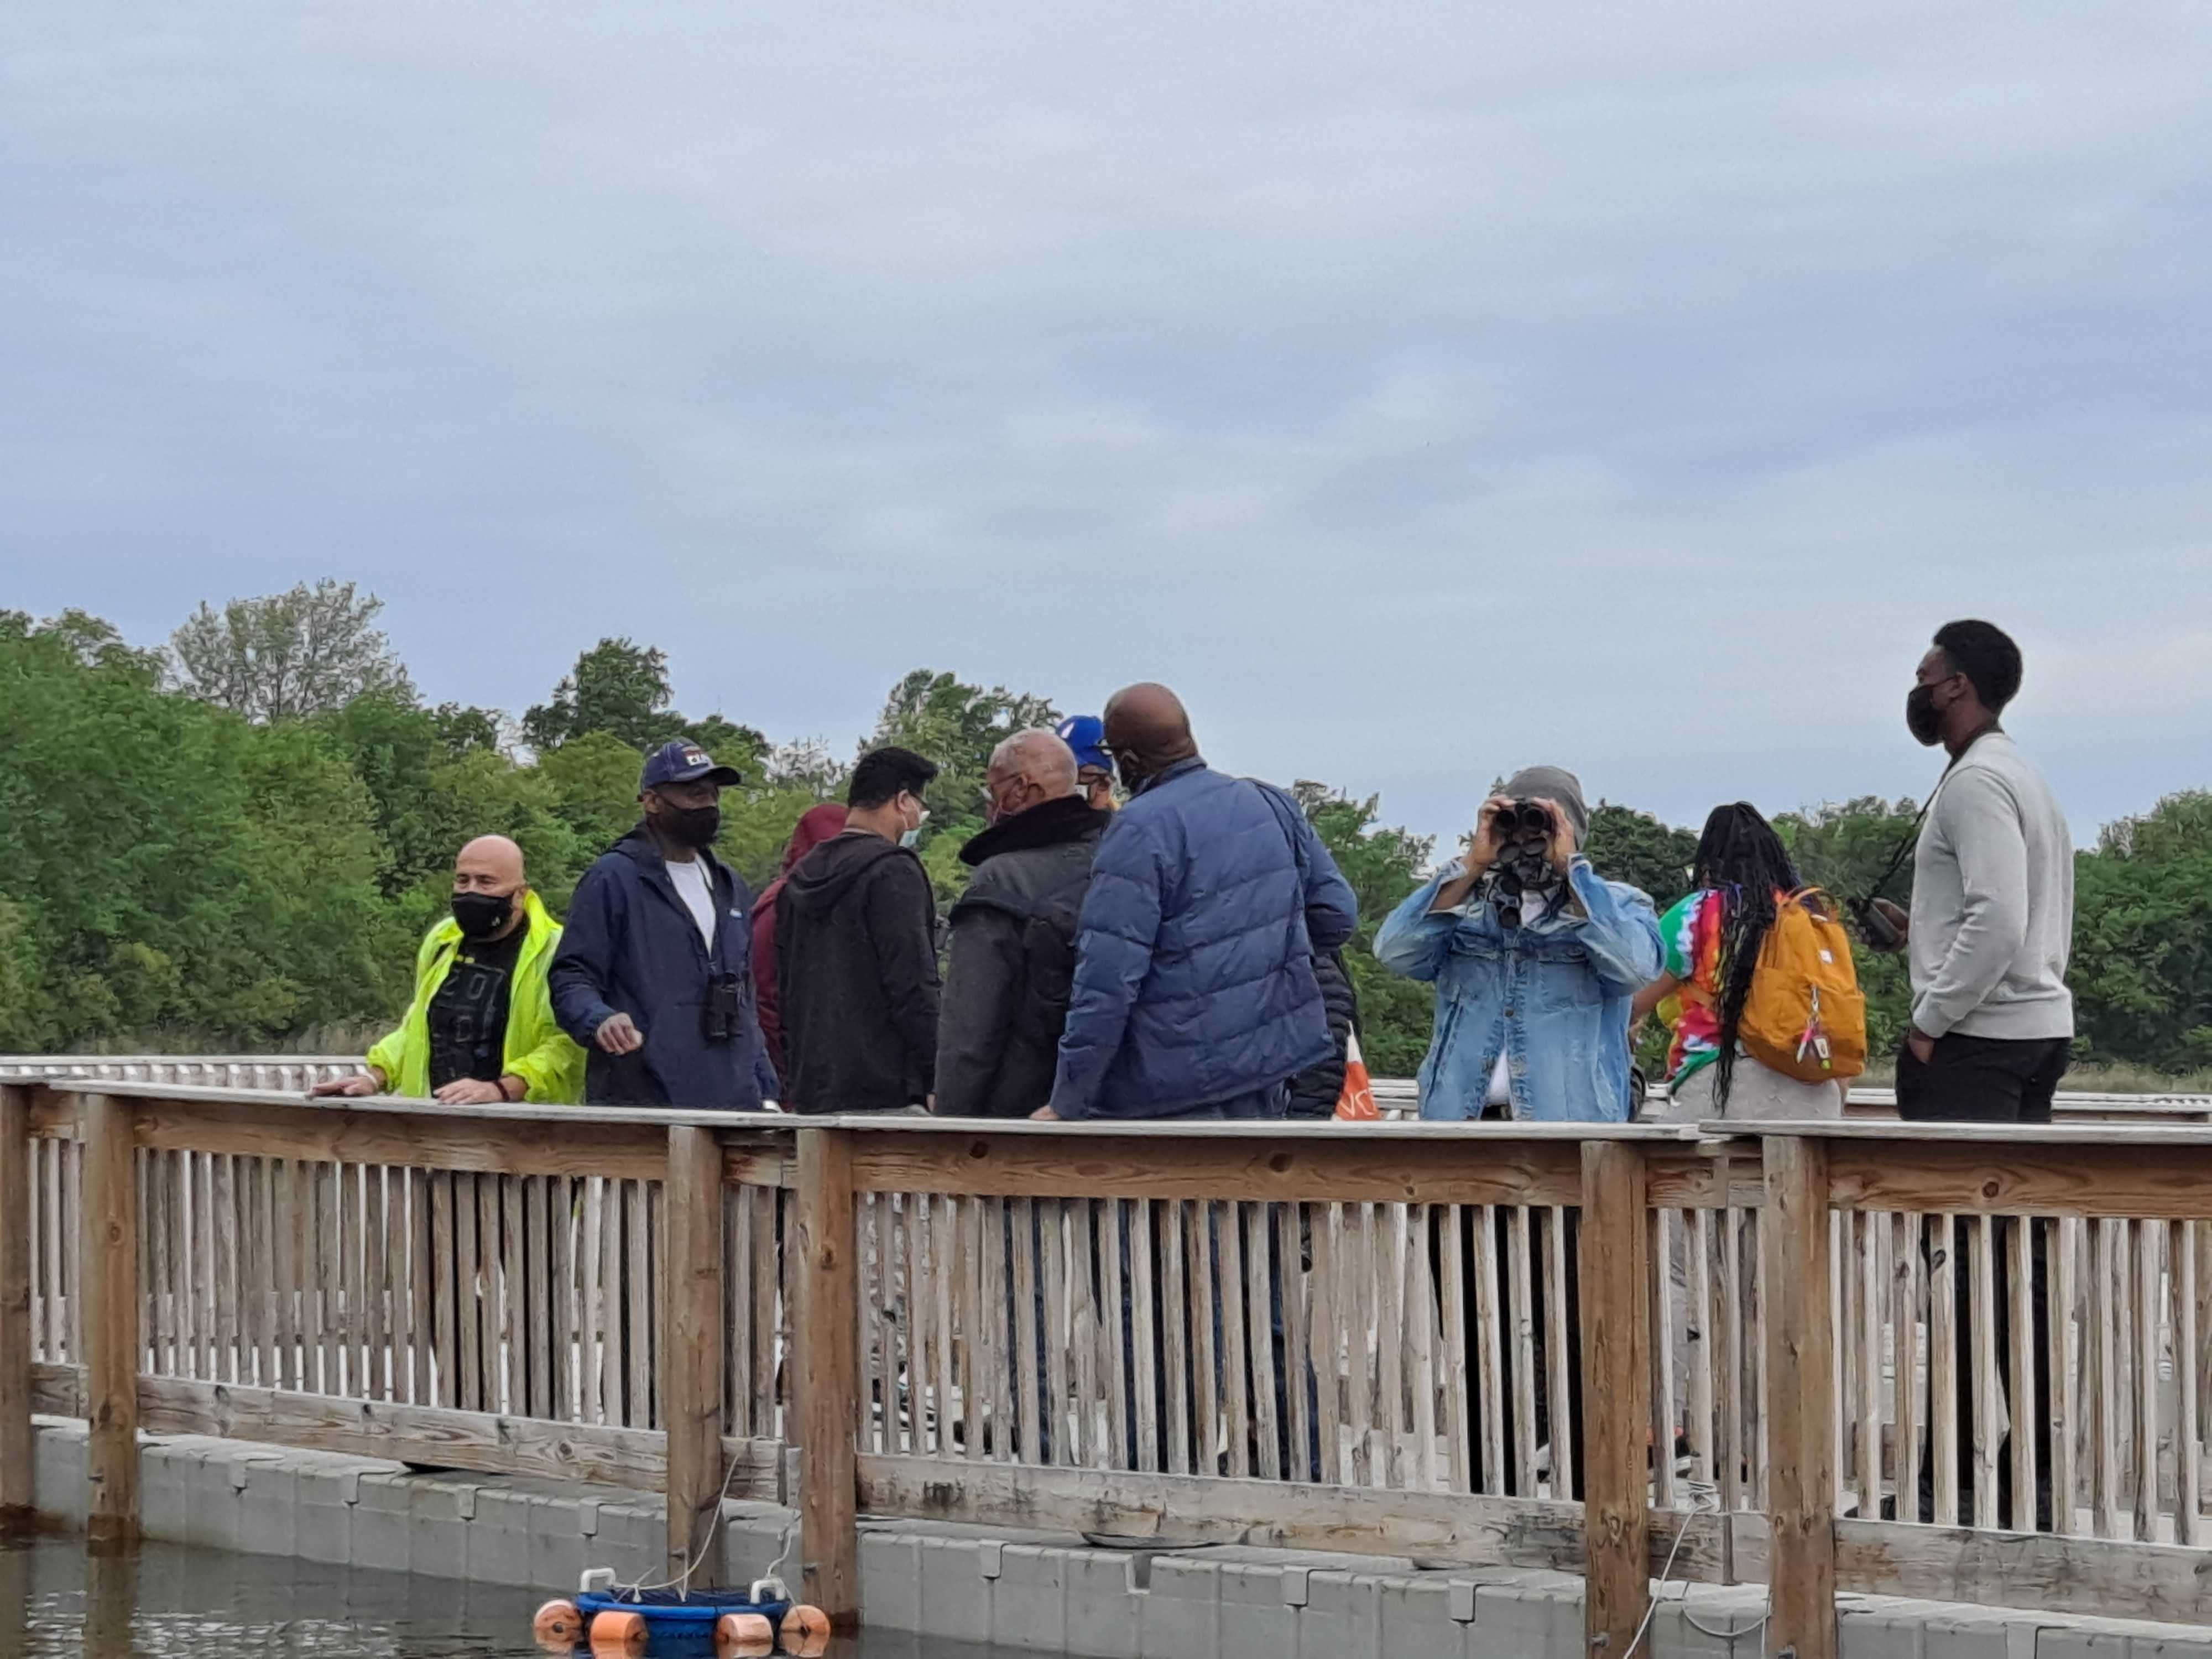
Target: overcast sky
(1424,390)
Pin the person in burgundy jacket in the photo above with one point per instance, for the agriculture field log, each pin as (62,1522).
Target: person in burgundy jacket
(816,825)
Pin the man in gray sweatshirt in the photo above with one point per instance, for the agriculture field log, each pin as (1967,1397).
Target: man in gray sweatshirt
(1991,926)
(1992,920)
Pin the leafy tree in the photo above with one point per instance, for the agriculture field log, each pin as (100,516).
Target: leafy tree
(464,728)
(1626,845)
(2142,936)
(303,651)
(166,863)
(1844,849)
(1383,864)
(621,689)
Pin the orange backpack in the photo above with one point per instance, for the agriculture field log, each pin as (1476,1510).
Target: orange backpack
(1806,1016)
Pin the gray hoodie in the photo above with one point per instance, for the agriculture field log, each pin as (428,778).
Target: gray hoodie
(1993,902)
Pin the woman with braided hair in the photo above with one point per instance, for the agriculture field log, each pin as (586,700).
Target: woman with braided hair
(1711,942)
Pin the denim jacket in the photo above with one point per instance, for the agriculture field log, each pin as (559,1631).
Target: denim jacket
(1553,997)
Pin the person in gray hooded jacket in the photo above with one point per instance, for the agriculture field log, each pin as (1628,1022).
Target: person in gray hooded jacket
(1014,932)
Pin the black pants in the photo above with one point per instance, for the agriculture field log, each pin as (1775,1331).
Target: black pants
(1971,1080)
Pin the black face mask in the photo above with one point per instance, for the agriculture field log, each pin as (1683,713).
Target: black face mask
(690,826)
(1921,718)
(481,915)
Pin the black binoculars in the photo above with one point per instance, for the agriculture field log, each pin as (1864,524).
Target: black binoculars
(723,1012)
(1522,818)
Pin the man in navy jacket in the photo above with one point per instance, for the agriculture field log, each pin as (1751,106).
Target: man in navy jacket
(1195,994)
(654,976)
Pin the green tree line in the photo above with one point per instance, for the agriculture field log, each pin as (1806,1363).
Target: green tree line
(237,840)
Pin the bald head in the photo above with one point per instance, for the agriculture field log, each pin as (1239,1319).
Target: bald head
(1148,729)
(492,857)
(1028,769)
(488,888)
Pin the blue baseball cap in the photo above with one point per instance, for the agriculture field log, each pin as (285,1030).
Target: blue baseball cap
(1086,735)
(682,761)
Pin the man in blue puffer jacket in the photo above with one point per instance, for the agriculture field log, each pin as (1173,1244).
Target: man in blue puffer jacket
(1195,994)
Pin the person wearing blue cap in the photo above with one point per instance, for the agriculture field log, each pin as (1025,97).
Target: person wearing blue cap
(654,976)
(1094,763)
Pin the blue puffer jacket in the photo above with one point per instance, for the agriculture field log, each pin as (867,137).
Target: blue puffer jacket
(1193,966)
(631,946)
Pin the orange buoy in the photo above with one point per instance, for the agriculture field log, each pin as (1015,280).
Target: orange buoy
(617,1633)
(806,1632)
(743,1636)
(558,1627)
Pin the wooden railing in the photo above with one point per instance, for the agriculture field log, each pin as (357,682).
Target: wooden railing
(1461,1343)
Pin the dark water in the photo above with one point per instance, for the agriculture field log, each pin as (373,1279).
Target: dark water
(170,1601)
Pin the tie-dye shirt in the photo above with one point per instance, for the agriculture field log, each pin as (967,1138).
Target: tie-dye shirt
(1690,940)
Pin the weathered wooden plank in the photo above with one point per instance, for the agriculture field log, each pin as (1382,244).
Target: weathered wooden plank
(1524,1348)
(825,1332)
(1230,1285)
(638,1300)
(2064,1405)
(1698,1317)
(1490,1334)
(1981,1253)
(983,1347)
(1028,1388)
(450,1140)
(1659,1359)
(2188,1434)
(1616,1265)
(1944,1427)
(1144,1345)
(1559,1357)
(772,1316)
(1801,1363)
(1451,1262)
(1259,1300)
(1979,1177)
(998,1295)
(16,1271)
(108,1237)
(1870,1309)
(1907,1231)
(2149,1268)
(1355,1295)
(691,1364)
(1419,1327)
(1053,1267)
(2104,1328)
(918,1305)
(943,1223)
(224,1195)
(2050,1573)
(1206,1387)
(2027,1412)
(1286,1167)
(1175,1309)
(1272,1514)
(480,1441)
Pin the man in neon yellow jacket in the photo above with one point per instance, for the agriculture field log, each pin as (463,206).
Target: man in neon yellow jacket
(481,1027)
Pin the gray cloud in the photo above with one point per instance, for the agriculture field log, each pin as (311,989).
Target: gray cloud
(1423,390)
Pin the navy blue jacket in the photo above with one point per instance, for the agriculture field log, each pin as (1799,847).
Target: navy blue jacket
(1194,959)
(630,946)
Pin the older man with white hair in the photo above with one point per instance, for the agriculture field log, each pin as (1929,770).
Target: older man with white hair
(1014,932)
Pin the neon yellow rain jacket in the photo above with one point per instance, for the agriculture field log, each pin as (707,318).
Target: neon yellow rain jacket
(538,1050)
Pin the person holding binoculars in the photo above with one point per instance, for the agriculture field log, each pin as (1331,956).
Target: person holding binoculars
(1535,958)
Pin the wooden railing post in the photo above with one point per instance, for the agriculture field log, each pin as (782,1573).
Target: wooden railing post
(15,1451)
(1800,1399)
(828,1367)
(107,1236)
(693,1355)
(1615,1270)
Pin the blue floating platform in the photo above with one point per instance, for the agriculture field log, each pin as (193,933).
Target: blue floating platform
(676,1623)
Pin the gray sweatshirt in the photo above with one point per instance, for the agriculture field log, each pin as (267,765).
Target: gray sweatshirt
(1993,902)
